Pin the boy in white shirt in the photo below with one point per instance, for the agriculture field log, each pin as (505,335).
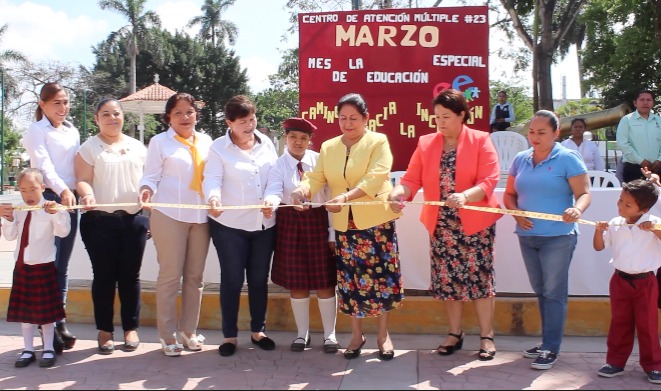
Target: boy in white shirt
(35,297)
(636,245)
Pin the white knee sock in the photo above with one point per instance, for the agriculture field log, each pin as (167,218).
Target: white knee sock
(301,309)
(328,311)
(28,337)
(48,330)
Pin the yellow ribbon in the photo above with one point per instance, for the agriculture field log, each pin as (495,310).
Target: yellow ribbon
(198,164)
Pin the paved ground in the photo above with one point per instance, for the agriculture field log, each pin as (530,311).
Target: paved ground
(415,366)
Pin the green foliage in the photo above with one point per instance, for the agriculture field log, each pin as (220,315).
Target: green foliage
(518,96)
(212,26)
(578,107)
(621,55)
(212,74)
(274,106)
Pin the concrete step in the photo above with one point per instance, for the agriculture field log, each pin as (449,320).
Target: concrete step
(420,313)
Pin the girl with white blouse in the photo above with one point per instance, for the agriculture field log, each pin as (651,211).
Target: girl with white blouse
(173,175)
(108,168)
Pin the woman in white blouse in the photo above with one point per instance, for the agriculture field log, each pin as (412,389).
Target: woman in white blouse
(173,175)
(108,169)
(587,148)
(236,174)
(52,143)
(304,258)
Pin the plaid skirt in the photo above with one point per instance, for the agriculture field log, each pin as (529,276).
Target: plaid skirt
(302,259)
(35,297)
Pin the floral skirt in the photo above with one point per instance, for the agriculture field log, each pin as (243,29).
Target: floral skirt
(369,280)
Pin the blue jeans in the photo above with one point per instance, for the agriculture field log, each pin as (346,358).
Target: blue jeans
(547,260)
(243,255)
(64,247)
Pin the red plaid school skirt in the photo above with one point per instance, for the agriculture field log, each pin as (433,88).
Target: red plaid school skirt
(35,297)
(302,259)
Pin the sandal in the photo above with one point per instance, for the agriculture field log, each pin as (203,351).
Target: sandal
(193,343)
(171,350)
(300,344)
(484,354)
(450,349)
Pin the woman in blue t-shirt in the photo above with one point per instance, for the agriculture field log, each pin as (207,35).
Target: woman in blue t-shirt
(548,178)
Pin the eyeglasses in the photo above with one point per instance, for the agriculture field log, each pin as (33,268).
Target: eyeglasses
(188,113)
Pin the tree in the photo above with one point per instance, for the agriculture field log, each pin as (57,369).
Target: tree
(623,49)
(7,57)
(212,26)
(212,74)
(137,32)
(542,25)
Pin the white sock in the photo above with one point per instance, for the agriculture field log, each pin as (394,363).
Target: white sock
(301,309)
(49,335)
(328,311)
(28,338)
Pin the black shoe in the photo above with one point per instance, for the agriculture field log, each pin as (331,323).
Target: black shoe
(331,346)
(227,349)
(300,344)
(265,343)
(47,362)
(354,353)
(68,339)
(106,347)
(486,355)
(24,362)
(449,349)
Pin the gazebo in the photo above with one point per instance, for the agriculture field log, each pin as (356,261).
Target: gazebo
(149,100)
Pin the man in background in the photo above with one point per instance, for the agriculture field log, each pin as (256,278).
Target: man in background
(502,114)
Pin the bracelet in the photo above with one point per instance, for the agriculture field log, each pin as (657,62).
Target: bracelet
(579,209)
(87,195)
(465,195)
(346,197)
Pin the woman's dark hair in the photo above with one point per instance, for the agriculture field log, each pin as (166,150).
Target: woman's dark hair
(102,102)
(355,100)
(579,120)
(643,192)
(172,102)
(48,92)
(551,117)
(454,101)
(239,106)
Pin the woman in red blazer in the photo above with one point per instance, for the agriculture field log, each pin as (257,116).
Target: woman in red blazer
(458,165)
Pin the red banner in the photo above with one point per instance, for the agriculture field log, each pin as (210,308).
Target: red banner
(398,60)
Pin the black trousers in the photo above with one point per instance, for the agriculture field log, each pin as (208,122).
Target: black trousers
(115,245)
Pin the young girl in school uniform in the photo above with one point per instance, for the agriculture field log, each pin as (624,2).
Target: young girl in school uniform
(35,297)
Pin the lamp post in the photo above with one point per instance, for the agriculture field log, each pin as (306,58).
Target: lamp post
(2,131)
(355,4)
(84,114)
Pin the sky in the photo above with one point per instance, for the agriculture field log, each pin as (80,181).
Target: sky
(66,30)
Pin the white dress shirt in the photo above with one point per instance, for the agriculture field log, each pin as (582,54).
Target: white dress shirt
(44,227)
(634,250)
(117,169)
(284,179)
(589,152)
(239,177)
(510,109)
(168,173)
(52,150)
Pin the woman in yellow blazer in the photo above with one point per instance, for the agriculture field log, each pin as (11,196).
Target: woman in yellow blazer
(458,165)
(356,166)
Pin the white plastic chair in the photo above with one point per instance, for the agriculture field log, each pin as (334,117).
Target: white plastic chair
(508,143)
(603,179)
(395,175)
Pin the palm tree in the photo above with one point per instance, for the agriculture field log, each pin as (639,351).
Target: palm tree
(212,26)
(8,56)
(137,32)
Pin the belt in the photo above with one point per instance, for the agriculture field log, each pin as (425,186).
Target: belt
(636,276)
(117,213)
